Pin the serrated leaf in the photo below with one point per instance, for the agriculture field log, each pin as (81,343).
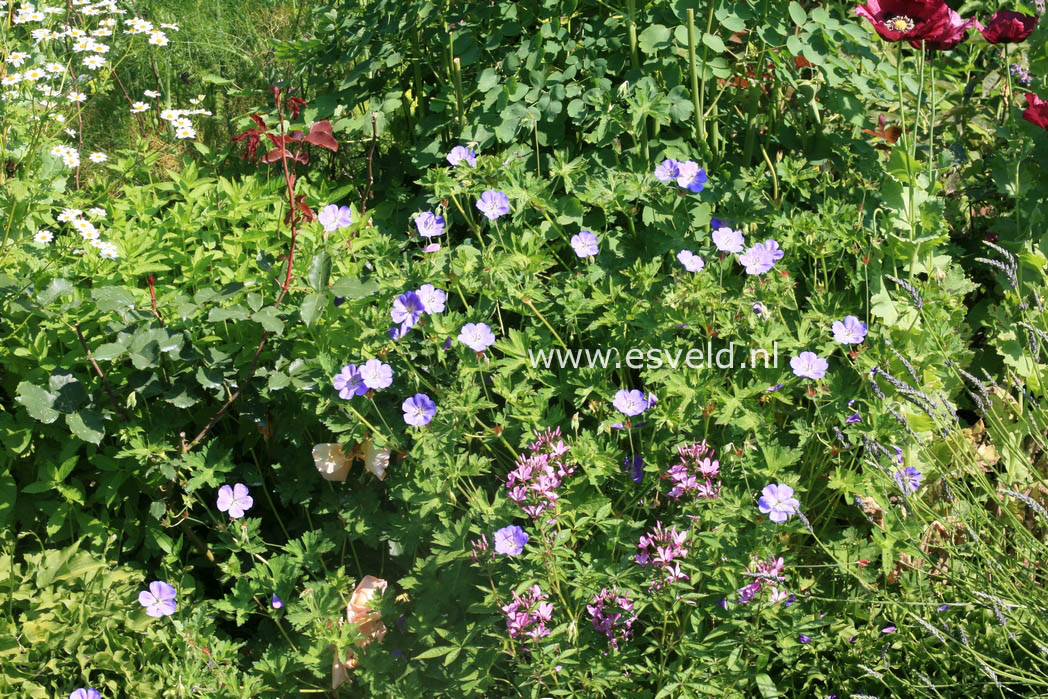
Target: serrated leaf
(37,402)
(313,306)
(319,271)
(57,287)
(353,288)
(87,424)
(68,392)
(268,319)
(113,298)
(108,351)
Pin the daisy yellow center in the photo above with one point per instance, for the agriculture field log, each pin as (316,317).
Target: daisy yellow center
(900,23)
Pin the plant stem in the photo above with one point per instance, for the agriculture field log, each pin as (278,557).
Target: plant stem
(696,99)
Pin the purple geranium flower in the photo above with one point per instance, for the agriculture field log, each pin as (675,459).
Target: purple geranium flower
(349,383)
(432,298)
(804,639)
(773,389)
(376,375)
(728,239)
(760,311)
(85,694)
(407,309)
(668,171)
(852,419)
(277,602)
(691,261)
(333,217)
(235,500)
(429,224)
(419,410)
(432,247)
(809,365)
(159,599)
(690,176)
(630,403)
(510,540)
(493,204)
(889,629)
(908,479)
(850,331)
(585,244)
(476,336)
(778,503)
(761,257)
(459,154)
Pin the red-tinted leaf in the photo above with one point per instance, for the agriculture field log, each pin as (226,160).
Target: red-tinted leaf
(320,135)
(302,157)
(276,139)
(296,135)
(296,104)
(275,155)
(258,120)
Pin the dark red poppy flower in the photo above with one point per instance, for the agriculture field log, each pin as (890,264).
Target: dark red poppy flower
(916,21)
(951,31)
(1007,27)
(1036,111)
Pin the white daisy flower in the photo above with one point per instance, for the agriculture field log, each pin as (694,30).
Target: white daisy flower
(185,132)
(76,97)
(11,79)
(67,215)
(152,94)
(108,252)
(60,118)
(44,237)
(180,122)
(139,107)
(159,40)
(17,58)
(96,212)
(170,114)
(34,74)
(98,157)
(94,61)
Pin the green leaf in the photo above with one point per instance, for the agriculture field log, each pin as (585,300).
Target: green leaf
(88,425)
(69,393)
(765,684)
(353,288)
(268,319)
(653,39)
(108,351)
(113,298)
(237,312)
(319,271)
(58,287)
(797,14)
(37,402)
(313,306)
(714,42)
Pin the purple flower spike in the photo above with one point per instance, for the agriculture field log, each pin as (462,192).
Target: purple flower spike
(630,403)
(235,500)
(419,410)
(510,540)
(585,244)
(493,204)
(477,336)
(349,383)
(850,331)
(460,154)
(159,599)
(778,503)
(376,375)
(809,365)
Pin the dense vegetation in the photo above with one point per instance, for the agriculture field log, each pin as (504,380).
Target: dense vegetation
(538,348)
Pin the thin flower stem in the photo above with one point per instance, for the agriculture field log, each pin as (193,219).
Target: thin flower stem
(531,305)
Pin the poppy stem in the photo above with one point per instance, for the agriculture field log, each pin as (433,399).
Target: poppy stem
(696,100)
